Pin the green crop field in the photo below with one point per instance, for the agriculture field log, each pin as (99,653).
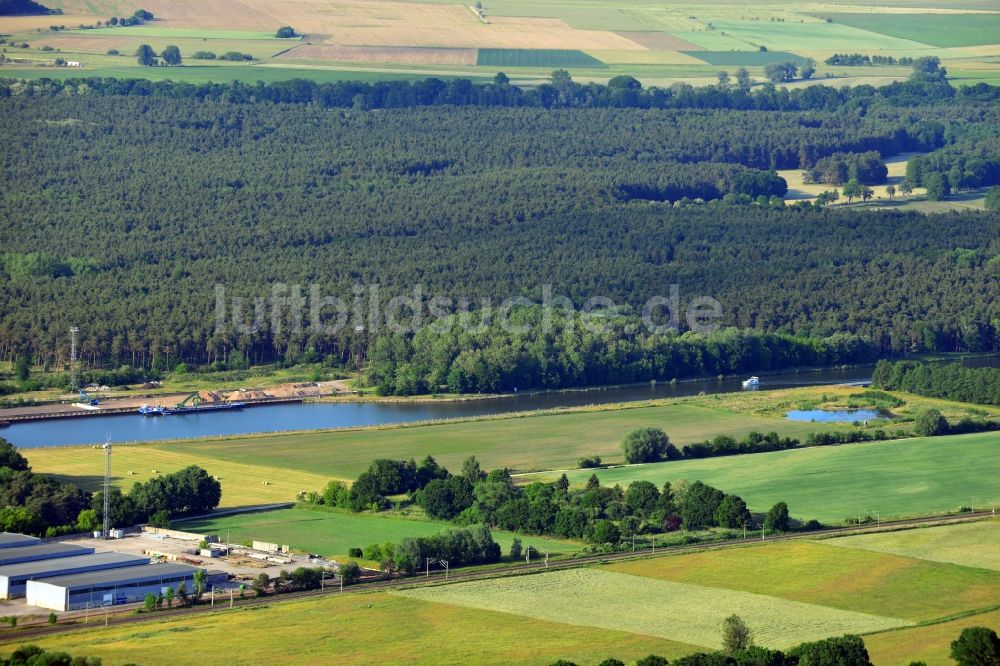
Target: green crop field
(535,58)
(333,533)
(674,611)
(935,29)
(831,483)
(355,630)
(971,544)
(844,578)
(750,58)
(798,37)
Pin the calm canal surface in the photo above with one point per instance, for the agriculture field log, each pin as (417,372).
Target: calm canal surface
(311,416)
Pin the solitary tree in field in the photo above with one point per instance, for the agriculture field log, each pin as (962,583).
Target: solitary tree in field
(145,55)
(743,80)
(285,31)
(852,190)
(808,69)
(906,188)
(777,518)
(724,81)
(646,445)
(890,191)
(780,72)
(171,56)
(930,422)
(976,646)
(736,635)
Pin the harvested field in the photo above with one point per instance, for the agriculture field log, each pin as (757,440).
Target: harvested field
(971,544)
(660,41)
(408,55)
(369,23)
(15,24)
(675,611)
(80,44)
(357,629)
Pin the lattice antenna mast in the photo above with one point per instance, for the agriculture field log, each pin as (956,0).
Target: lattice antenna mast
(107,489)
(74,382)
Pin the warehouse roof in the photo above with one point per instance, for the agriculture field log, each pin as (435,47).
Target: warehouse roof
(64,563)
(41,551)
(113,576)
(12,540)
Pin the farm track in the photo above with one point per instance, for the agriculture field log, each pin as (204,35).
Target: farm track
(20,636)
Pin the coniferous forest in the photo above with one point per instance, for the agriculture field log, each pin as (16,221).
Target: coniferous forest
(125,203)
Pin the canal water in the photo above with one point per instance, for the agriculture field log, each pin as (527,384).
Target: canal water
(318,415)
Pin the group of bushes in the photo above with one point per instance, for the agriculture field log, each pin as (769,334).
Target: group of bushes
(235,56)
(191,491)
(859,60)
(603,515)
(36,504)
(457,547)
(839,168)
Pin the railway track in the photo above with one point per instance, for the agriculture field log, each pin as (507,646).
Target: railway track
(438,578)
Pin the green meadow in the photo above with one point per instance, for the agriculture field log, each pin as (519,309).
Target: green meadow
(832,483)
(333,533)
(750,58)
(941,30)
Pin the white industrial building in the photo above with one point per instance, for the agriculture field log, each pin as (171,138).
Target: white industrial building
(13,540)
(14,577)
(109,587)
(41,551)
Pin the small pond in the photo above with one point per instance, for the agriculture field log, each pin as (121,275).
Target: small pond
(831,415)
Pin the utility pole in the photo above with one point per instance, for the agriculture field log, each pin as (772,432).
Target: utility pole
(73,376)
(762,533)
(428,560)
(107,489)
(546,559)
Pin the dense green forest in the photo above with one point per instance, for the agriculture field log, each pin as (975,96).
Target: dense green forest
(126,203)
(953,381)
